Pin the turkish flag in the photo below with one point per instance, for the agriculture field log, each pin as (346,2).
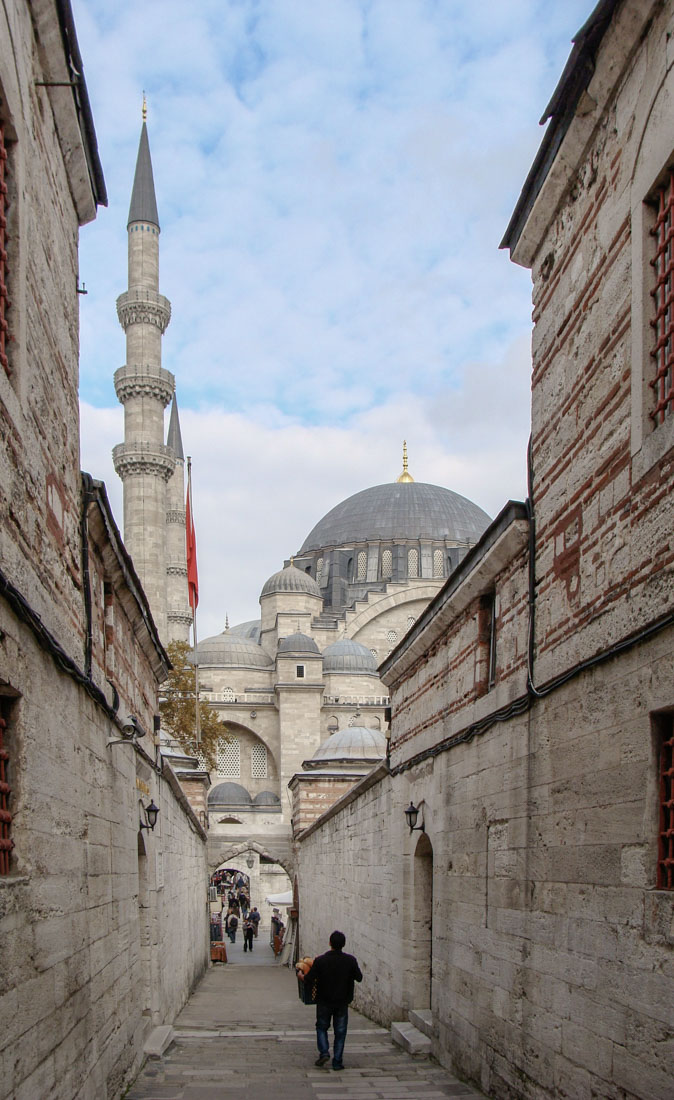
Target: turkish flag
(191,538)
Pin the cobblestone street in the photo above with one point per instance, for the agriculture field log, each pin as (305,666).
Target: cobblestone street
(245,1033)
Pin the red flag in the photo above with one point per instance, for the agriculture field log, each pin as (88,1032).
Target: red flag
(191,538)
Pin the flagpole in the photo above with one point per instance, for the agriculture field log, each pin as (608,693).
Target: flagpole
(197,715)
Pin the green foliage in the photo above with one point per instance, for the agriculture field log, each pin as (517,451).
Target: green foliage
(178,710)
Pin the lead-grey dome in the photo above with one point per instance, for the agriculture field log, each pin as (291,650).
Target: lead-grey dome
(348,656)
(232,651)
(290,579)
(298,643)
(356,743)
(249,629)
(266,798)
(229,794)
(400,510)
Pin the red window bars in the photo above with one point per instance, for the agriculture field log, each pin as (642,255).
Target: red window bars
(663,298)
(6,842)
(665,877)
(4,300)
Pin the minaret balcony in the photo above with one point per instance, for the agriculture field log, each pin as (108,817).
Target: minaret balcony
(140,306)
(137,459)
(144,381)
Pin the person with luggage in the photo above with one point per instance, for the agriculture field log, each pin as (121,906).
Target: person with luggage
(334,974)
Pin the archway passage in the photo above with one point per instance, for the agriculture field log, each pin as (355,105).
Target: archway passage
(422,924)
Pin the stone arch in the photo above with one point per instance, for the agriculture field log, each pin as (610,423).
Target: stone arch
(229,852)
(236,728)
(412,592)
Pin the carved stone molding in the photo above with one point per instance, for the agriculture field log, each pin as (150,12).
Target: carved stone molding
(144,381)
(175,570)
(134,459)
(139,306)
(183,617)
(176,516)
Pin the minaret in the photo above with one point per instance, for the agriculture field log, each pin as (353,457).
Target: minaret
(142,461)
(179,615)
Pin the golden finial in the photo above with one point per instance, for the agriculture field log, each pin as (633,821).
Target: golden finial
(226,620)
(292,561)
(144,108)
(405,475)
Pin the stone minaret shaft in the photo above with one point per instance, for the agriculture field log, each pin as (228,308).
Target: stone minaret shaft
(142,461)
(179,615)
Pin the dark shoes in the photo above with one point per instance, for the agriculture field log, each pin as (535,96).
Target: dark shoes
(322,1059)
(340,1066)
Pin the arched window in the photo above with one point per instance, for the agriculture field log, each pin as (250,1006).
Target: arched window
(392,636)
(438,563)
(228,695)
(387,564)
(333,724)
(362,565)
(319,570)
(410,621)
(413,563)
(349,570)
(228,758)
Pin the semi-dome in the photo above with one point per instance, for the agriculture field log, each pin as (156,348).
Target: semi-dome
(290,579)
(266,798)
(356,743)
(348,656)
(229,794)
(298,643)
(228,650)
(400,510)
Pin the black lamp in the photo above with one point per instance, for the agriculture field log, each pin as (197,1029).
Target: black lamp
(151,813)
(412,813)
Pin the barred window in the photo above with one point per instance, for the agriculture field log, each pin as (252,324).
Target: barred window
(319,570)
(362,565)
(413,563)
(228,695)
(258,762)
(6,842)
(375,653)
(228,758)
(662,350)
(387,563)
(410,621)
(392,636)
(4,269)
(665,874)
(438,563)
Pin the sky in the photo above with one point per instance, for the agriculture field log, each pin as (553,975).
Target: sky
(333,181)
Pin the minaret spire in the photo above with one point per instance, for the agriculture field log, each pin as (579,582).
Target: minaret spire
(143,207)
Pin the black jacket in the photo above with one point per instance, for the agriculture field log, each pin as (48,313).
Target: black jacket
(335,972)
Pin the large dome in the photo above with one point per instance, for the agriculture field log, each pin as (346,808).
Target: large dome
(349,656)
(354,744)
(232,651)
(400,510)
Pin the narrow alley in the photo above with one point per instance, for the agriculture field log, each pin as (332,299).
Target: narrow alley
(245,1033)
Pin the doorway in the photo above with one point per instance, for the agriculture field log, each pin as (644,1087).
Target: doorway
(422,924)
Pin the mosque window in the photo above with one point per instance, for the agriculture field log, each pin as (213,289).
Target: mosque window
(258,762)
(228,758)
(387,563)
(362,565)
(662,351)
(352,720)
(319,570)
(375,653)
(392,636)
(349,570)
(333,724)
(300,672)
(665,872)
(410,621)
(228,695)
(413,563)
(438,563)
(6,842)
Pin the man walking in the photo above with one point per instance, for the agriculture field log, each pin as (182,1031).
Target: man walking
(334,974)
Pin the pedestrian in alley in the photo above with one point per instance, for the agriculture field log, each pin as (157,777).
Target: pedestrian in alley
(255,918)
(232,925)
(247,935)
(334,973)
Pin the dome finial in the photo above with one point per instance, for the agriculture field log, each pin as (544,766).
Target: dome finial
(144,107)
(226,620)
(405,475)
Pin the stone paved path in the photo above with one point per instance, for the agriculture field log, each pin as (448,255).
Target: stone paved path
(245,1033)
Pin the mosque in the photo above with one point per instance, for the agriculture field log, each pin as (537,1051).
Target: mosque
(304,711)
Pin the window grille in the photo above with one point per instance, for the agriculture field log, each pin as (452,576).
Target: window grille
(319,570)
(352,721)
(228,695)
(410,621)
(663,299)
(6,842)
(392,636)
(438,563)
(665,875)
(412,563)
(362,565)
(258,762)
(228,758)
(386,563)
(4,299)
(375,653)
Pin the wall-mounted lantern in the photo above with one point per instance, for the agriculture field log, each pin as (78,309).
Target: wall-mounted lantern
(412,813)
(151,814)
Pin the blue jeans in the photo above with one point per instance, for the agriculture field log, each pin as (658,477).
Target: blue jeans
(339,1014)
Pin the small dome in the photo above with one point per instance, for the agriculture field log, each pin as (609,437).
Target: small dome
(232,651)
(250,630)
(349,656)
(229,794)
(266,798)
(291,579)
(357,743)
(298,643)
